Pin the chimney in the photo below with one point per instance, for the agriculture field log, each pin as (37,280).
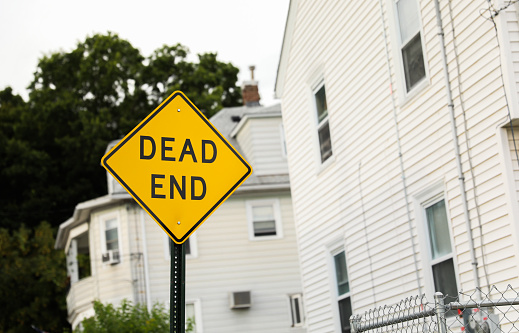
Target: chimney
(250,94)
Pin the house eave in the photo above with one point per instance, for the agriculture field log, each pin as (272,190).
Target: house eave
(82,213)
(285,48)
(259,188)
(246,117)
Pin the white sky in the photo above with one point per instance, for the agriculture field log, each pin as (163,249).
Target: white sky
(243,32)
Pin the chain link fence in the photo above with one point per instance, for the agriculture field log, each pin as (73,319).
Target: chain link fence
(493,311)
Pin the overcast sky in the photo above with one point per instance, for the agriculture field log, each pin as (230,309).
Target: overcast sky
(243,32)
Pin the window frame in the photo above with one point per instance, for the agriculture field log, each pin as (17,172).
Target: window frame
(423,201)
(292,298)
(198,314)
(276,207)
(422,83)
(102,228)
(451,256)
(318,124)
(335,248)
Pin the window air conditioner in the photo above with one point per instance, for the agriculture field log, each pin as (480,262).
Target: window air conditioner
(111,257)
(240,300)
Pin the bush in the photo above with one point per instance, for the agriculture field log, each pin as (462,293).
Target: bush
(126,318)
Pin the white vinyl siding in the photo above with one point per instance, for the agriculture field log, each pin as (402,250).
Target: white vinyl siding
(112,289)
(361,193)
(224,248)
(263,145)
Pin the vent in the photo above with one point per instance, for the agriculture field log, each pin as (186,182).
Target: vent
(111,257)
(240,300)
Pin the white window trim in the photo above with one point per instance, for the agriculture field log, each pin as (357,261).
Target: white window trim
(333,248)
(277,217)
(102,227)
(423,200)
(199,328)
(315,125)
(198,314)
(193,245)
(405,96)
(292,310)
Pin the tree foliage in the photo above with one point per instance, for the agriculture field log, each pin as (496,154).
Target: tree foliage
(51,145)
(126,318)
(32,281)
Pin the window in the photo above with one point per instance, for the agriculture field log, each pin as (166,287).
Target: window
(193,315)
(190,316)
(323,127)
(296,309)
(111,241)
(442,262)
(343,291)
(264,219)
(189,244)
(111,235)
(410,42)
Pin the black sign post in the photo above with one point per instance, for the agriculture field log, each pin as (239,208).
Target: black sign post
(177,319)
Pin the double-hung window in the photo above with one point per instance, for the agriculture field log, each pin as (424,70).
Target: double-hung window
(264,219)
(111,235)
(343,290)
(411,47)
(111,241)
(442,259)
(323,125)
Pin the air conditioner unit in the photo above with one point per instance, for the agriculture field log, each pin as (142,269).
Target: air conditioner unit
(239,300)
(111,257)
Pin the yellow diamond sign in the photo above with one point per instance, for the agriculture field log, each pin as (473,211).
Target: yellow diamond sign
(177,166)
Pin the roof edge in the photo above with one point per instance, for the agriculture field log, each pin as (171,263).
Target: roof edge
(285,48)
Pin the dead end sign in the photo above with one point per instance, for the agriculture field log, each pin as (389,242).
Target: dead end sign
(177,166)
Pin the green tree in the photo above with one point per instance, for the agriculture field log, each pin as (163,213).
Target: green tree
(79,101)
(33,281)
(126,318)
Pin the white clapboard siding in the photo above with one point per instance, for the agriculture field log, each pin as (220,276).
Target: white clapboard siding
(116,279)
(262,137)
(358,195)
(229,261)
(245,139)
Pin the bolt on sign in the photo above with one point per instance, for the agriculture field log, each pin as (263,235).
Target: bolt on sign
(177,166)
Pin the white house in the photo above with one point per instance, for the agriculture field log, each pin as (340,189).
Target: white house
(242,268)
(400,118)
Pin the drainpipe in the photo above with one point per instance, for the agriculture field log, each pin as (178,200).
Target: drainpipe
(402,170)
(461,178)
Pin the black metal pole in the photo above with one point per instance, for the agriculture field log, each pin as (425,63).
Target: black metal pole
(177,293)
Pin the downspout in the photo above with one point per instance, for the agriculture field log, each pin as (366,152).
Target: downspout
(145,255)
(402,170)
(461,178)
